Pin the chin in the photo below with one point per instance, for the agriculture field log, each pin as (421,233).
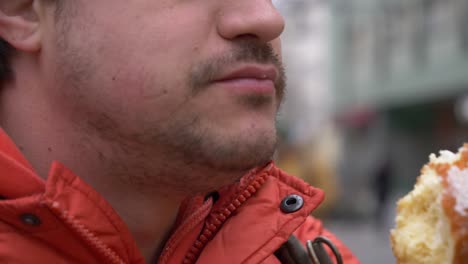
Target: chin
(227,165)
(209,154)
(243,152)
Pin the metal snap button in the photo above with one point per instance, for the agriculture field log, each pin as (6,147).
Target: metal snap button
(292,203)
(30,220)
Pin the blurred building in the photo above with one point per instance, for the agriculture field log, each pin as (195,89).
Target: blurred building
(309,144)
(306,45)
(400,79)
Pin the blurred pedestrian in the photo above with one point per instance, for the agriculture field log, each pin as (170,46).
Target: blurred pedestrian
(382,189)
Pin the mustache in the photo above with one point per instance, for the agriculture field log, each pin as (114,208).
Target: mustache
(244,51)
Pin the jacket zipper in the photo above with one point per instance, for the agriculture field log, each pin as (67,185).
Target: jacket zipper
(217,219)
(85,234)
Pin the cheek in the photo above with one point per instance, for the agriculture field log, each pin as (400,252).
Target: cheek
(121,84)
(141,97)
(135,68)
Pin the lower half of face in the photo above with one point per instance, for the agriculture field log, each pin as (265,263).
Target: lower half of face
(224,125)
(221,125)
(216,112)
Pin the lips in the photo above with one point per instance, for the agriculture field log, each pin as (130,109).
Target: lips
(250,72)
(249,80)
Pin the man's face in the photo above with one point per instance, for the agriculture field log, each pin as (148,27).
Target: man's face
(200,80)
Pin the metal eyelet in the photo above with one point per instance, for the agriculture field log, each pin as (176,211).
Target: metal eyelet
(292,203)
(30,219)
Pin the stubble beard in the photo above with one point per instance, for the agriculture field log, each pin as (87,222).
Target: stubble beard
(183,154)
(250,148)
(200,157)
(186,157)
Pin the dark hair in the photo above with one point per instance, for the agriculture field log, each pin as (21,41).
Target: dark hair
(6,51)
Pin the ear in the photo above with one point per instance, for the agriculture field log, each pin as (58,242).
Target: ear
(19,24)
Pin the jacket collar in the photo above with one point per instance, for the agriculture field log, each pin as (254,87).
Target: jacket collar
(64,204)
(252,232)
(16,174)
(259,226)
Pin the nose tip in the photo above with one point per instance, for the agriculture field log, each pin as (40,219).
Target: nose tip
(276,26)
(257,18)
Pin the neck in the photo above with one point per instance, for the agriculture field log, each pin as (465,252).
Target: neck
(44,134)
(150,219)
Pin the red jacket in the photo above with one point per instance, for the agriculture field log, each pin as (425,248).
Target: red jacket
(63,220)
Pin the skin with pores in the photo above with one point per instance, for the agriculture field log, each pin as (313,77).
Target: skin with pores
(148,101)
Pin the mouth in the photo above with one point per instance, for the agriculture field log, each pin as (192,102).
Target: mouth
(254,71)
(249,79)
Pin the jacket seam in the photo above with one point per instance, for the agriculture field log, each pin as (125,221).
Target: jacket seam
(196,219)
(69,183)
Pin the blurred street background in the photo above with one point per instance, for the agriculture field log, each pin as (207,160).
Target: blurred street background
(375,86)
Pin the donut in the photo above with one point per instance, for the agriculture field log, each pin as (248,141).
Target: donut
(432,220)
